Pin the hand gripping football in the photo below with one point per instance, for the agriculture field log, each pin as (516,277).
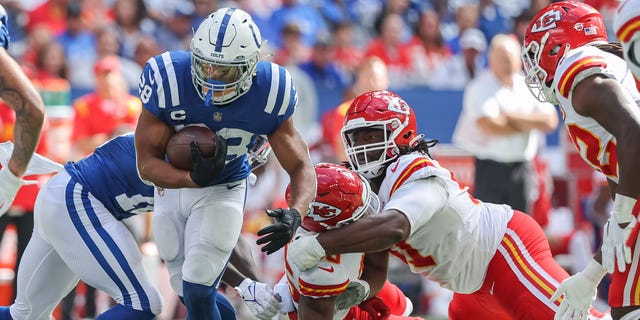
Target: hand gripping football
(179,146)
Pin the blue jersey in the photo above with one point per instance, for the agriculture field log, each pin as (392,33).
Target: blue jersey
(4,32)
(167,91)
(110,175)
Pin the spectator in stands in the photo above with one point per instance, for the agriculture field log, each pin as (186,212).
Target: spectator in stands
(78,41)
(147,47)
(500,126)
(322,68)
(107,112)
(492,20)
(391,50)
(428,49)
(131,24)
(520,24)
(51,62)
(408,10)
(293,50)
(345,52)
(107,44)
(466,17)
(203,8)
(175,33)
(51,14)
(372,75)
(311,23)
(455,73)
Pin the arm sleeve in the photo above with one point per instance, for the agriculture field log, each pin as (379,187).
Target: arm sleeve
(419,200)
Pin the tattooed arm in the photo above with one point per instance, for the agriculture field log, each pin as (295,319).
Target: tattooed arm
(20,94)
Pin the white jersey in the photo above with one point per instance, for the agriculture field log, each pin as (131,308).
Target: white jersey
(329,278)
(452,240)
(626,24)
(596,145)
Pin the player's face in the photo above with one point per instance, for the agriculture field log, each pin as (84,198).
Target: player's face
(366,136)
(226,74)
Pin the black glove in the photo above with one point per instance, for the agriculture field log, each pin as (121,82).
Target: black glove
(204,170)
(278,234)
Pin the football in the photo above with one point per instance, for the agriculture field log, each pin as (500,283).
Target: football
(179,146)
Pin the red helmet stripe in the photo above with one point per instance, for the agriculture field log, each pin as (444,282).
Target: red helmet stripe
(409,170)
(628,29)
(566,81)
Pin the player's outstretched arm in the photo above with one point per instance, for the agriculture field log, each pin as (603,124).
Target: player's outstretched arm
(20,94)
(371,233)
(151,137)
(293,155)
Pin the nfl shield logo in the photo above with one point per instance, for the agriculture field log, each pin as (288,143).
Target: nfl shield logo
(217,116)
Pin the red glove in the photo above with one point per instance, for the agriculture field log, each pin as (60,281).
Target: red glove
(376,308)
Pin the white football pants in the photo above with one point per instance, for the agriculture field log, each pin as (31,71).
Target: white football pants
(75,237)
(196,229)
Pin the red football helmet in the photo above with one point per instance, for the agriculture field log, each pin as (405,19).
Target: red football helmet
(384,110)
(558,28)
(342,197)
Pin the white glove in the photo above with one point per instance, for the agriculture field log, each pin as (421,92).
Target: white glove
(614,244)
(357,291)
(282,293)
(305,251)
(259,299)
(579,291)
(9,186)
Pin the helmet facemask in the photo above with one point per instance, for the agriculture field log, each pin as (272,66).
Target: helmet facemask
(537,78)
(359,156)
(220,82)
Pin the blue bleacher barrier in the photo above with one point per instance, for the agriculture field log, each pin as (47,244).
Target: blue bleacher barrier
(437,111)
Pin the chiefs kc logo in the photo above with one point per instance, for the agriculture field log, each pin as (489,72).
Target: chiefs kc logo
(547,21)
(322,211)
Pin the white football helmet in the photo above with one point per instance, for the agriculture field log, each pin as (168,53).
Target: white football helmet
(225,51)
(627,26)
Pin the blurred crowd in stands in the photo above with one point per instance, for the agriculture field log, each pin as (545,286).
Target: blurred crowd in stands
(86,56)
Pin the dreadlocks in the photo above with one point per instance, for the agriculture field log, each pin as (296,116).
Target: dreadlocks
(611,47)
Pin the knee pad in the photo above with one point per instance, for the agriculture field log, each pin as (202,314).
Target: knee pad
(168,237)
(203,266)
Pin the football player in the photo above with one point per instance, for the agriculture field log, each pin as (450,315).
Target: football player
(342,282)
(222,84)
(79,234)
(20,94)
(568,62)
(495,259)
(627,27)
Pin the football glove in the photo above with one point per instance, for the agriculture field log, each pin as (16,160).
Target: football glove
(259,299)
(614,247)
(205,170)
(305,251)
(356,292)
(579,291)
(280,233)
(376,308)
(9,186)
(283,295)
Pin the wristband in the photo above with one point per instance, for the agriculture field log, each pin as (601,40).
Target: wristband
(623,208)
(594,271)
